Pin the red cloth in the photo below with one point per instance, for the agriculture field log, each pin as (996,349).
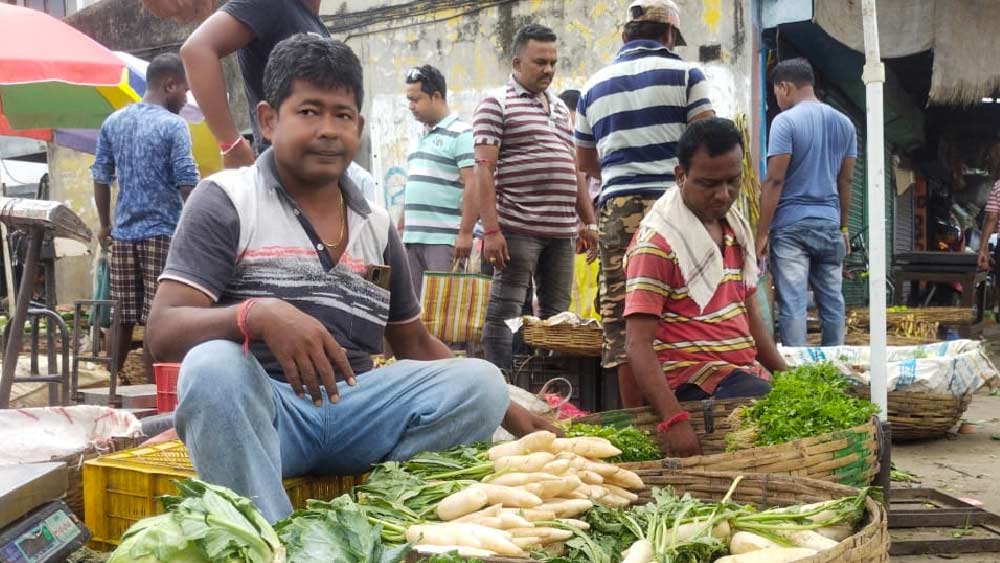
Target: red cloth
(699,347)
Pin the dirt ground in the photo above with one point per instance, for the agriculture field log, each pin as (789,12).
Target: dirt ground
(965,466)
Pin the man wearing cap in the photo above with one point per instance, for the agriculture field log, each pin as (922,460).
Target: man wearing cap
(629,120)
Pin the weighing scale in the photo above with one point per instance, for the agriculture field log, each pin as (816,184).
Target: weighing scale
(35,525)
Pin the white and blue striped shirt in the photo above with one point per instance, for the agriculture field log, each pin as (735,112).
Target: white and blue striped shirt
(634,111)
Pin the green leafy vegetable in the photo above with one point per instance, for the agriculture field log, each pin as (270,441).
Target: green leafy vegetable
(337,530)
(635,444)
(396,499)
(205,524)
(807,401)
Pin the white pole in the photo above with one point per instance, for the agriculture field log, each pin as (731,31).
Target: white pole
(874,78)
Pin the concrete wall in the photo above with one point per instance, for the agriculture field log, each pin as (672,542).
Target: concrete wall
(70,183)
(470,43)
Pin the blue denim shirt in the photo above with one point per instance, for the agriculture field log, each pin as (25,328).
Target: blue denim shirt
(148,149)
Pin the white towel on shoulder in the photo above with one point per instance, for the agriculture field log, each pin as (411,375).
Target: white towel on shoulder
(698,257)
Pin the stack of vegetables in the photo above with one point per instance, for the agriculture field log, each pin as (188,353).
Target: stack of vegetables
(806,401)
(553,499)
(676,528)
(204,523)
(522,497)
(680,529)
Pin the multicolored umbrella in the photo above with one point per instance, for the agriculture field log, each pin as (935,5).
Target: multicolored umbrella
(53,76)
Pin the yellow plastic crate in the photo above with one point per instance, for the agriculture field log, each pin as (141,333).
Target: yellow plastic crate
(120,489)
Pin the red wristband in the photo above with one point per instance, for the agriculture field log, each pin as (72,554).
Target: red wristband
(678,418)
(495,231)
(227,148)
(242,314)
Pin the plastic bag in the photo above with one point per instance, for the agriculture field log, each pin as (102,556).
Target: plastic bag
(102,289)
(584,291)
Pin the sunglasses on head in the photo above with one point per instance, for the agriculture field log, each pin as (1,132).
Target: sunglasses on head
(414,74)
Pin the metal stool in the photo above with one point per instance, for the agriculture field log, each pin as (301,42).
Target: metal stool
(111,360)
(54,377)
(39,219)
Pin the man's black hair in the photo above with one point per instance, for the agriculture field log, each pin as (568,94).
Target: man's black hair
(324,63)
(431,80)
(716,135)
(571,98)
(651,31)
(163,66)
(532,32)
(797,71)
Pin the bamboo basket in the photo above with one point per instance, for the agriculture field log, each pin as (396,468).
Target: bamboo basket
(917,415)
(941,315)
(848,457)
(870,544)
(575,340)
(709,418)
(74,464)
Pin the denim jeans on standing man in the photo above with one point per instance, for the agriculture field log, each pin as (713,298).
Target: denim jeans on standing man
(547,261)
(809,254)
(246,431)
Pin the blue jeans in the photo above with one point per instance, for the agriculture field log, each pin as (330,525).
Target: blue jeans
(547,261)
(247,431)
(737,384)
(809,253)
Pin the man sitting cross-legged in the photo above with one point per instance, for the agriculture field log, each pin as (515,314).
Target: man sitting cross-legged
(692,324)
(287,258)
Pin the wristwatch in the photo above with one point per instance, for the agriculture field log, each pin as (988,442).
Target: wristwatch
(591,227)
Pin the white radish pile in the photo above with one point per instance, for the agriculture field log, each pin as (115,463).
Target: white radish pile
(540,483)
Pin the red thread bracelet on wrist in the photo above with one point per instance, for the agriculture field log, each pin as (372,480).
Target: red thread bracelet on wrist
(226,148)
(678,418)
(492,232)
(242,314)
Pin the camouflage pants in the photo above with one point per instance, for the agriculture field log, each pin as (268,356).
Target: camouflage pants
(619,220)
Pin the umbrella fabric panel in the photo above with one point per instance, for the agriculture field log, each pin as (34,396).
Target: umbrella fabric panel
(38,48)
(54,104)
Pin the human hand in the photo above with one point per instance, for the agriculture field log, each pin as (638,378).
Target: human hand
(495,249)
(239,156)
(589,241)
(104,237)
(519,421)
(164,436)
(303,346)
(679,441)
(183,11)
(847,244)
(761,245)
(463,246)
(984,262)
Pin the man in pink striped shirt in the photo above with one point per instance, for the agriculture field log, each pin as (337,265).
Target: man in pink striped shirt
(530,191)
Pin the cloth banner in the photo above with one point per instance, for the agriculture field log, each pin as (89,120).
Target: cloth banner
(454,305)
(42,434)
(905,27)
(585,288)
(957,366)
(961,33)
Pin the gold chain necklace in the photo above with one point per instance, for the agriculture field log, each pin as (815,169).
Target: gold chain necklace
(343,226)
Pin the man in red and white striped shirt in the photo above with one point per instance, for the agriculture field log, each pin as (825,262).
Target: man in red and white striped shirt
(992,210)
(530,191)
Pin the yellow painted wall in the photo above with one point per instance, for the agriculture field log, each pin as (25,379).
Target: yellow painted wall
(70,183)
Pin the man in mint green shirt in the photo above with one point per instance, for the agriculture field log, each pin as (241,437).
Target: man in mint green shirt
(438,217)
